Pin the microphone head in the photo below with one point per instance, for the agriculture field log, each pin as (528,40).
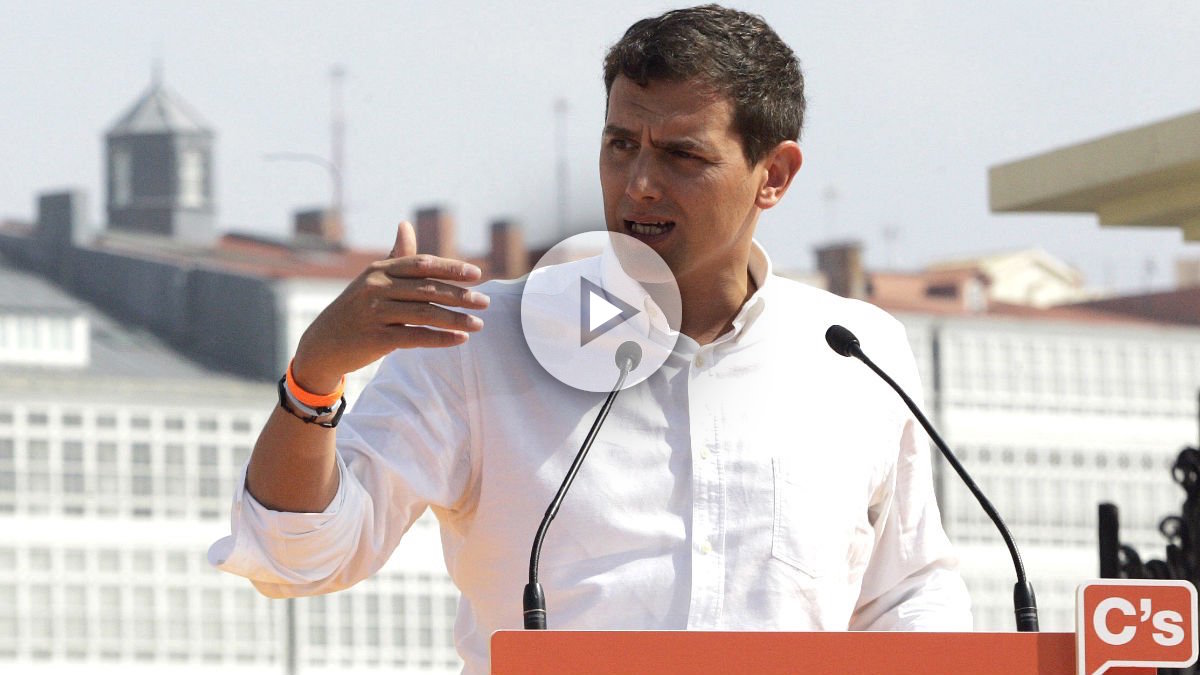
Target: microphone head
(629,352)
(841,340)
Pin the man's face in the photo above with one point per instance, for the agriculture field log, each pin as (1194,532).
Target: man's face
(674,176)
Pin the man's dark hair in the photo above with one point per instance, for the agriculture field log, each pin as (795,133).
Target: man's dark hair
(735,53)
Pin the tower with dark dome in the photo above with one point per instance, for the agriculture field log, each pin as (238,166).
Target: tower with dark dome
(159,169)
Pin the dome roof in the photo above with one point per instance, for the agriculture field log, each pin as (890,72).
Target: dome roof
(159,111)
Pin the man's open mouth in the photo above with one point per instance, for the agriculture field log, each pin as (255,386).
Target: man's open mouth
(649,229)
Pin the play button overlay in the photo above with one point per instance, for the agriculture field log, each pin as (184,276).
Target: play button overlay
(601,311)
(589,294)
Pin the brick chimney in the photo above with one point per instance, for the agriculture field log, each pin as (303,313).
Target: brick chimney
(507,259)
(841,263)
(319,226)
(435,232)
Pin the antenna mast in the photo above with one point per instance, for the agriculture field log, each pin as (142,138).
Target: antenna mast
(337,134)
(560,148)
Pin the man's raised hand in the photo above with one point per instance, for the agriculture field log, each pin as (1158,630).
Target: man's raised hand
(393,304)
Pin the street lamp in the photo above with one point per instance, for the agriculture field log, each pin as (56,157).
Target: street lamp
(335,173)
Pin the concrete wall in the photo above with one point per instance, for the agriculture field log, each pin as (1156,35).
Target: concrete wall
(226,321)
(234,324)
(147,293)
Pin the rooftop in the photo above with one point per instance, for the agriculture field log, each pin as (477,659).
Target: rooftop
(246,254)
(22,291)
(1149,176)
(118,353)
(159,110)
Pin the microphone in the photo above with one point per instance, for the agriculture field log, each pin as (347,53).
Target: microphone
(842,341)
(628,356)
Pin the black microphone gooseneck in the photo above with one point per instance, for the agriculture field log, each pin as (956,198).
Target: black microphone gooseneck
(629,355)
(842,341)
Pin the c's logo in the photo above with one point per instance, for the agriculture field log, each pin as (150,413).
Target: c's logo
(1135,622)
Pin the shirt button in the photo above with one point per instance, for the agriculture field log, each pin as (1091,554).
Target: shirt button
(705,547)
(703,453)
(700,361)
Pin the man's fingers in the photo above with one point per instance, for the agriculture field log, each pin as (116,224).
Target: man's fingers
(406,241)
(418,336)
(425,314)
(428,290)
(426,266)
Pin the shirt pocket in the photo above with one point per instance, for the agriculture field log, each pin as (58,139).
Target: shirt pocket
(816,526)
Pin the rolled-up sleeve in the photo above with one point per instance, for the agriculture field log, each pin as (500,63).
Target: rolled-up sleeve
(290,554)
(405,446)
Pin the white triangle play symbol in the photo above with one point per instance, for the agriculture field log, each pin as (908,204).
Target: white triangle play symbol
(601,311)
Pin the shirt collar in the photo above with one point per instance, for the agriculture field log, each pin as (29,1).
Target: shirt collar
(615,280)
(760,270)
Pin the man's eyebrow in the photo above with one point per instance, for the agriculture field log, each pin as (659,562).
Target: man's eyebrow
(681,144)
(614,130)
(685,144)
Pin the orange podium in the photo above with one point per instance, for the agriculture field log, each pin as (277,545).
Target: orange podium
(549,652)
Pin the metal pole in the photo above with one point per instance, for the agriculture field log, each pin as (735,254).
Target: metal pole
(337,135)
(289,643)
(560,147)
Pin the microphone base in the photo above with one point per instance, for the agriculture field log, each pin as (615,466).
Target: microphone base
(1025,608)
(534,601)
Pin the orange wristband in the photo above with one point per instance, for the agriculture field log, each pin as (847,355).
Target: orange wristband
(310,399)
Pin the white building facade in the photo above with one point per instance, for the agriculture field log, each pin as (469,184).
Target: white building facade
(117,465)
(1052,417)
(118,459)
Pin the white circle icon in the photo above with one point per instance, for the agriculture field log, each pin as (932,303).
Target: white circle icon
(590,294)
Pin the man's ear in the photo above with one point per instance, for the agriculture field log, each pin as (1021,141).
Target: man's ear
(779,167)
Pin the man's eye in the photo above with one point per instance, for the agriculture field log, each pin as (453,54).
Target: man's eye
(683,154)
(620,144)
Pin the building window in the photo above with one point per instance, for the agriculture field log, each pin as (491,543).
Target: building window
(108,480)
(191,179)
(72,471)
(8,477)
(110,613)
(143,480)
(76,613)
(122,177)
(144,628)
(178,628)
(38,475)
(240,455)
(109,560)
(212,630)
(175,480)
(41,602)
(10,628)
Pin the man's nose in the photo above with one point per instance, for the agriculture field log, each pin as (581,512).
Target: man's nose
(644,182)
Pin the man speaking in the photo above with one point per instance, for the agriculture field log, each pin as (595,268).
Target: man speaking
(753,482)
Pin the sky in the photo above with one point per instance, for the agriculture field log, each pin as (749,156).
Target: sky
(452,104)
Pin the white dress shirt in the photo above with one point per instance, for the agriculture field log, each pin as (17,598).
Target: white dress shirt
(760,482)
